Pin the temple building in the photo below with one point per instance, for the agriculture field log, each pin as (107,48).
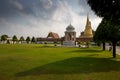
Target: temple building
(87,34)
(53,35)
(88,30)
(70,36)
(51,38)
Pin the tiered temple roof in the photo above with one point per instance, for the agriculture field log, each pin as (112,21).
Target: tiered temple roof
(53,35)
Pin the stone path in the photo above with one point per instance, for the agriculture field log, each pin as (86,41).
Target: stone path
(118,50)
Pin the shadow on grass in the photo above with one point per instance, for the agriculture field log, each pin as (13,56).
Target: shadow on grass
(86,50)
(74,66)
(47,46)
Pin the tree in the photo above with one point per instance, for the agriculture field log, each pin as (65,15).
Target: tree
(55,43)
(4,37)
(45,43)
(110,10)
(88,44)
(33,40)
(21,39)
(113,35)
(28,40)
(14,39)
(101,33)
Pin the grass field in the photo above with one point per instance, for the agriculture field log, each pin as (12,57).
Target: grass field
(36,62)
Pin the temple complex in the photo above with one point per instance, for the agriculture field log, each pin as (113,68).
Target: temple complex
(70,38)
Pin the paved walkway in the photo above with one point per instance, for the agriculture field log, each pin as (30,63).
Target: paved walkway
(117,49)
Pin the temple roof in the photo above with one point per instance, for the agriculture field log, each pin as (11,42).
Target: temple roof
(52,35)
(70,28)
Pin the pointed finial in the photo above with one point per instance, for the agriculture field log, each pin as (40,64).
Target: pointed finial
(87,15)
(70,22)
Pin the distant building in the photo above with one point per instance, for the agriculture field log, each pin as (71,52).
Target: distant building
(88,33)
(53,35)
(51,38)
(70,35)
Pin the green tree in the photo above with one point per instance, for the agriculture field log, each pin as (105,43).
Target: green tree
(88,44)
(45,43)
(33,40)
(101,34)
(80,43)
(55,43)
(14,39)
(4,37)
(113,35)
(22,39)
(28,40)
(109,10)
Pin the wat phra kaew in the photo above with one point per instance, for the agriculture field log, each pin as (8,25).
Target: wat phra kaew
(70,38)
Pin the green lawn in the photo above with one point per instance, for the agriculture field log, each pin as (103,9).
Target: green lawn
(36,62)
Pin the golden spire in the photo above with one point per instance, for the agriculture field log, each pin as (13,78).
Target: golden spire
(88,30)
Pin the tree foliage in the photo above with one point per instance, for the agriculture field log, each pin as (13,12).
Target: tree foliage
(114,35)
(14,38)
(22,39)
(109,10)
(33,40)
(101,34)
(28,39)
(108,31)
(4,37)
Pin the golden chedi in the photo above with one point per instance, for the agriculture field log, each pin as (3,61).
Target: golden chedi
(88,30)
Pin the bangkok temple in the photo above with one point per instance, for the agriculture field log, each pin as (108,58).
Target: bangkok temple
(70,38)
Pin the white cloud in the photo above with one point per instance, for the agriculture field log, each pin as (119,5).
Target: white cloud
(95,22)
(17,4)
(61,18)
(58,20)
(65,15)
(46,3)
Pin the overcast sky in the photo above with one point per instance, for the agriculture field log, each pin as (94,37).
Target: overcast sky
(39,17)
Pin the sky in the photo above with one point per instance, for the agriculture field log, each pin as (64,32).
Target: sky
(39,17)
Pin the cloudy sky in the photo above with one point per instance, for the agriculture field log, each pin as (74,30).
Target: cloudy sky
(39,17)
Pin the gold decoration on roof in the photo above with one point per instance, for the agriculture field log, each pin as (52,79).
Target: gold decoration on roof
(88,30)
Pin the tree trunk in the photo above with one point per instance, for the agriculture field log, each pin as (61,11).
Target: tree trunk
(103,46)
(114,49)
